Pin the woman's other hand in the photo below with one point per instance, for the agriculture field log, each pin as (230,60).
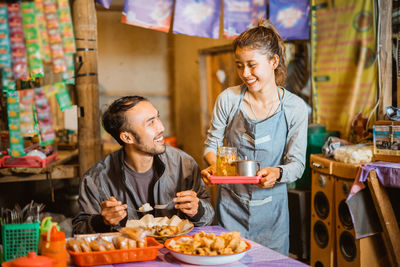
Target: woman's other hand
(269,175)
(206,173)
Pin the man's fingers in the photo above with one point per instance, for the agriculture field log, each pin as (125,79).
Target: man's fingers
(116,220)
(107,204)
(187,200)
(187,206)
(186,193)
(113,216)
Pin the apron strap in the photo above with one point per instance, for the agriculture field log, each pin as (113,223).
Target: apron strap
(236,108)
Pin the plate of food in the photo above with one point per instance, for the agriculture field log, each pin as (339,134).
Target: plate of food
(208,249)
(162,228)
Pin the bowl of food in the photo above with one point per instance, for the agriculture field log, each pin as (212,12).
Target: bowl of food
(208,249)
(161,228)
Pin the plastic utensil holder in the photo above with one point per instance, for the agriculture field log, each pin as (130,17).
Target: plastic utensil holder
(19,239)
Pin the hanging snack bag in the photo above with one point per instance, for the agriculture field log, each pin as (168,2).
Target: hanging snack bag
(8,83)
(18,50)
(47,134)
(27,121)
(69,76)
(67,31)
(50,90)
(16,140)
(43,36)
(5,52)
(31,39)
(55,40)
(62,95)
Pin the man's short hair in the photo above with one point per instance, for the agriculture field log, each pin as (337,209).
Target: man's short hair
(114,121)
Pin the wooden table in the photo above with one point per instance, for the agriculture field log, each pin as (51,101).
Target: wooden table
(387,218)
(379,175)
(258,255)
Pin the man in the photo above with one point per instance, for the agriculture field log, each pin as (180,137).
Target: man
(144,171)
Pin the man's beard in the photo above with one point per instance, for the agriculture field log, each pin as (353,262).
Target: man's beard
(156,150)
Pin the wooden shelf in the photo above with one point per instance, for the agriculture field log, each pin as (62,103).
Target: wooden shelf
(56,170)
(59,172)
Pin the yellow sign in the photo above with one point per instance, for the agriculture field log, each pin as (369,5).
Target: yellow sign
(344,66)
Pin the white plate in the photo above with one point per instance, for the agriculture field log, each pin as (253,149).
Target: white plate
(206,260)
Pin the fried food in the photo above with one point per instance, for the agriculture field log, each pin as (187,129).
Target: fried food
(209,244)
(101,243)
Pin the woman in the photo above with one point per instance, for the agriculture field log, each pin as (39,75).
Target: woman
(266,123)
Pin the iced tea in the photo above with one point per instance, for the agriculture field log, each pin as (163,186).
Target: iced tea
(226,157)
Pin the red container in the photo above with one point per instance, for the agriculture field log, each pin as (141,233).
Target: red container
(27,161)
(235,179)
(117,256)
(53,246)
(32,260)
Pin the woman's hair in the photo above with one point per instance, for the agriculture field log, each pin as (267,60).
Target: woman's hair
(265,38)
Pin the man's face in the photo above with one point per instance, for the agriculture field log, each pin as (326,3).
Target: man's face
(144,120)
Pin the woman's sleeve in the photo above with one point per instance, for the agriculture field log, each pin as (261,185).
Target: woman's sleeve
(296,142)
(215,134)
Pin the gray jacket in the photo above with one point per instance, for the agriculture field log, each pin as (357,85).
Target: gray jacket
(175,171)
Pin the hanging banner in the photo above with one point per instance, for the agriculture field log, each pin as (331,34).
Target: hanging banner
(240,15)
(151,14)
(197,18)
(344,63)
(291,18)
(104,3)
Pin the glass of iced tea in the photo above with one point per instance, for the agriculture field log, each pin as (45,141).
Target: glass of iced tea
(226,157)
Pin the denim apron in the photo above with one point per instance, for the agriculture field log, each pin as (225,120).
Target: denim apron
(260,214)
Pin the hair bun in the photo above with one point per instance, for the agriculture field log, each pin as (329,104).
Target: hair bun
(265,23)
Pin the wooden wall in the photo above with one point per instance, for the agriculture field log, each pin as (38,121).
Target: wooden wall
(187,107)
(162,67)
(132,60)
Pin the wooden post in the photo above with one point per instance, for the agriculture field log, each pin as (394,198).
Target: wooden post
(87,84)
(385,56)
(387,218)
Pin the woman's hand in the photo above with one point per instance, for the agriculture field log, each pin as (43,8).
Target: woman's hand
(206,173)
(269,175)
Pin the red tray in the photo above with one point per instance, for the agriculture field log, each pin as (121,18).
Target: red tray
(235,179)
(27,161)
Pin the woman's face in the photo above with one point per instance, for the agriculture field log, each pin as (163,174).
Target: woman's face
(255,69)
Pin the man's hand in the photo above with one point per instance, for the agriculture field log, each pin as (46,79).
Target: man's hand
(113,211)
(188,202)
(269,176)
(206,173)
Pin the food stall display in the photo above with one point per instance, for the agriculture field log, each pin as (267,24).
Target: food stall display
(32,32)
